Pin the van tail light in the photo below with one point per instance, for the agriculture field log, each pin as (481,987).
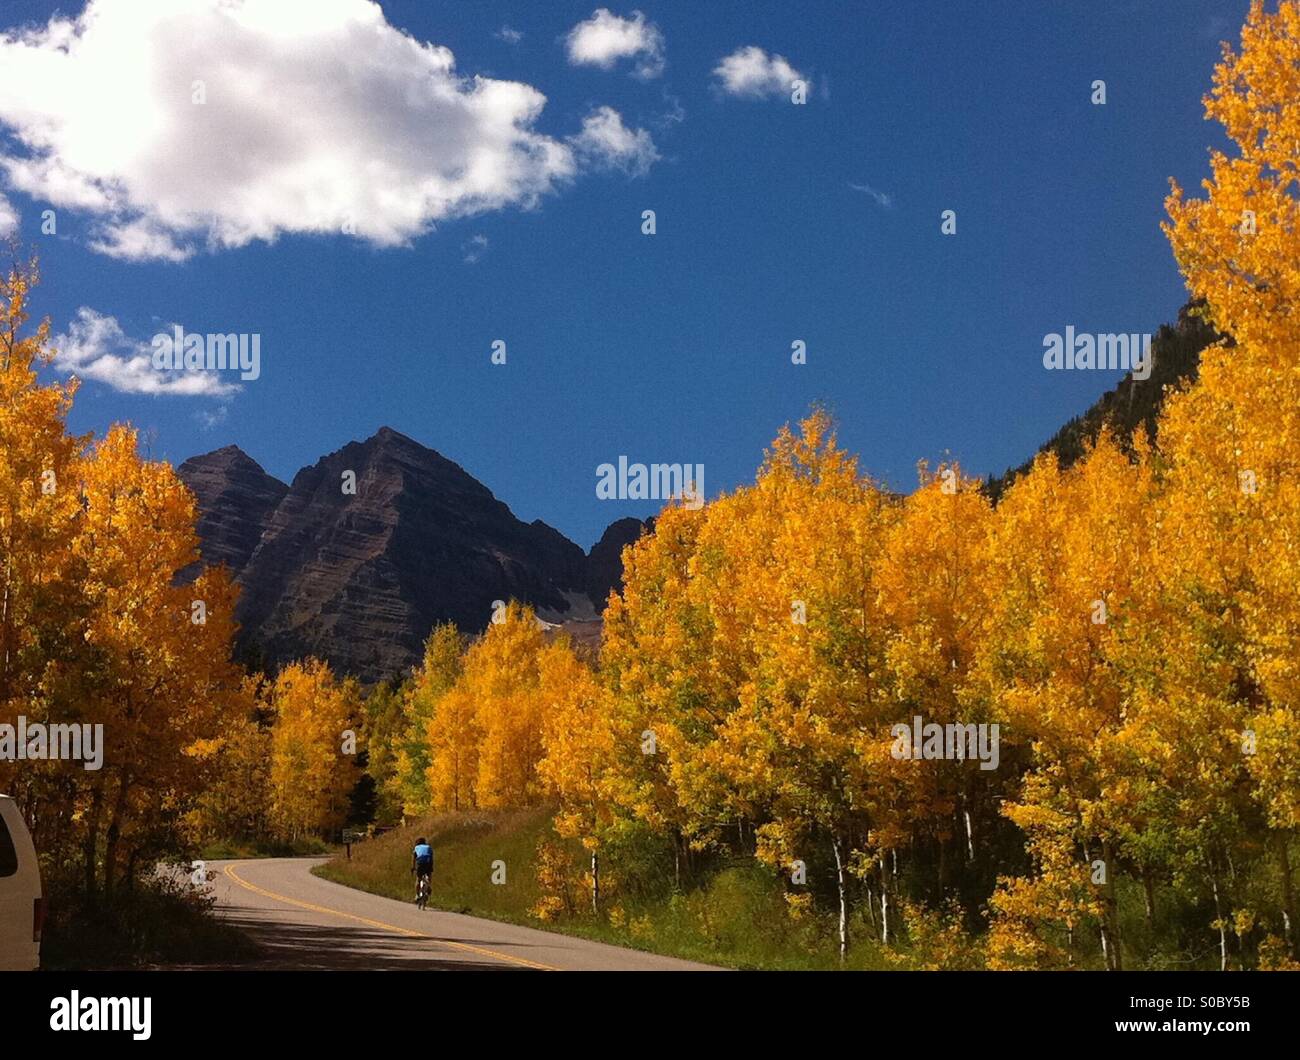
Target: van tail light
(38,918)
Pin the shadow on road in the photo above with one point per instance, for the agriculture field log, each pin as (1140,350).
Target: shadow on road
(309,947)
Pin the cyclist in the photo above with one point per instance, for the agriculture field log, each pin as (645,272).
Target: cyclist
(421,865)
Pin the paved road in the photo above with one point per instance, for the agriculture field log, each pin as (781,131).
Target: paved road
(302,921)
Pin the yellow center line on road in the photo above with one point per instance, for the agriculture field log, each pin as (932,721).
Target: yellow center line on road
(230,871)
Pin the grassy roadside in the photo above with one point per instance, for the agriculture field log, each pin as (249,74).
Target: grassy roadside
(238,850)
(161,921)
(733,916)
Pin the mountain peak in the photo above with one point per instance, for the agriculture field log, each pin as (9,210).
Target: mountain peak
(387,436)
(359,579)
(226,456)
(605,560)
(236,499)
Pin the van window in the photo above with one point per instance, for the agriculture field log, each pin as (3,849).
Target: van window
(8,855)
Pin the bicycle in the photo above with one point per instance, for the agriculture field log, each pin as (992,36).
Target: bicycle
(422,892)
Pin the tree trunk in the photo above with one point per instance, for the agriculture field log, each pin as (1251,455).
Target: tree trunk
(1218,916)
(90,847)
(1149,894)
(114,835)
(1288,894)
(1112,907)
(943,867)
(884,902)
(842,884)
(5,627)
(595,883)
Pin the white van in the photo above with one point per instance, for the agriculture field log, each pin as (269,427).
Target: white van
(22,908)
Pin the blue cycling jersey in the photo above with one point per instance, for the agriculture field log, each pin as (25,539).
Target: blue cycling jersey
(423,852)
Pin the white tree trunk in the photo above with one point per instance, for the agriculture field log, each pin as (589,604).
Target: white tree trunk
(842,884)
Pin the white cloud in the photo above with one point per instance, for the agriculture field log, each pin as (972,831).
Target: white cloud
(142,239)
(320,117)
(474,248)
(95,347)
(208,419)
(882,198)
(750,73)
(605,142)
(605,38)
(675,113)
(510,36)
(8,217)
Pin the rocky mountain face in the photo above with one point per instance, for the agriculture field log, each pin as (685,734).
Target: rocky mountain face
(236,500)
(360,578)
(605,560)
(1134,404)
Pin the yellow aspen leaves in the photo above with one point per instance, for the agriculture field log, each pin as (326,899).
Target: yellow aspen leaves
(311,775)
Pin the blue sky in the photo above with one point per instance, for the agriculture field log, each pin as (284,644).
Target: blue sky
(673,347)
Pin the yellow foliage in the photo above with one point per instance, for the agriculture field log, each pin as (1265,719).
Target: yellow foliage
(312,774)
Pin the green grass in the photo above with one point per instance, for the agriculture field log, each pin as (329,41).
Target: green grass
(465,845)
(732,915)
(729,911)
(235,850)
